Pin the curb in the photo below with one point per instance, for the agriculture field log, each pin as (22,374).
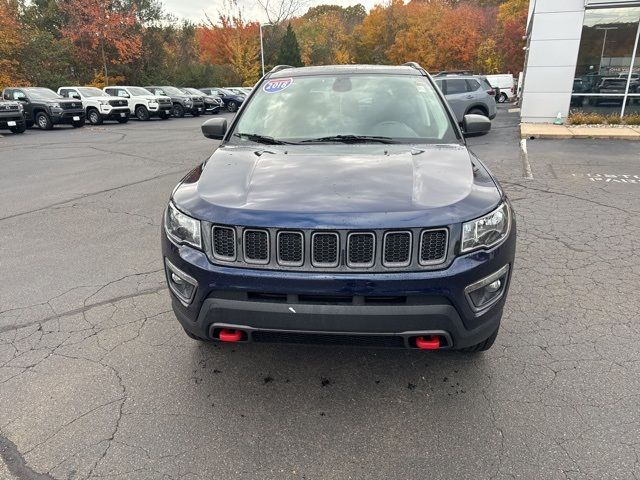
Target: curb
(563,132)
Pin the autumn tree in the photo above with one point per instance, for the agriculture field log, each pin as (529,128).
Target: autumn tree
(377,33)
(512,18)
(234,42)
(11,41)
(102,32)
(325,33)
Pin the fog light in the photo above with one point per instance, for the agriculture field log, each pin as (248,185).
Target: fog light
(182,285)
(487,291)
(493,287)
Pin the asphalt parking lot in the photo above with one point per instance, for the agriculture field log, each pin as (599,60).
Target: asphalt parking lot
(99,381)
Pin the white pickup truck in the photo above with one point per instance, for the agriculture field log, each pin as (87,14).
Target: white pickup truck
(98,105)
(142,103)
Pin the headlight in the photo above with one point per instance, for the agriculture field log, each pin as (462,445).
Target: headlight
(153,104)
(55,105)
(103,102)
(182,228)
(20,107)
(487,231)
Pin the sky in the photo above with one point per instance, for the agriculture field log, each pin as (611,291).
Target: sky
(194,10)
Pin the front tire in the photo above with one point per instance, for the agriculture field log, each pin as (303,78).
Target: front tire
(178,110)
(142,113)
(19,128)
(123,120)
(79,124)
(165,115)
(232,106)
(503,98)
(94,117)
(44,121)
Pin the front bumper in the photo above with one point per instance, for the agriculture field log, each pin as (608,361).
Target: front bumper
(397,305)
(197,108)
(14,117)
(115,113)
(68,117)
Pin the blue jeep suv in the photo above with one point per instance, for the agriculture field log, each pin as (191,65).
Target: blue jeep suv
(368,223)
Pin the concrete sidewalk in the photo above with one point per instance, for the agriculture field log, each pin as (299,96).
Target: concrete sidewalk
(542,130)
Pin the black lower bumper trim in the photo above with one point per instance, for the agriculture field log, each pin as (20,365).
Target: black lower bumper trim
(300,323)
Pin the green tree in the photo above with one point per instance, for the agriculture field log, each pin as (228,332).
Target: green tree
(289,53)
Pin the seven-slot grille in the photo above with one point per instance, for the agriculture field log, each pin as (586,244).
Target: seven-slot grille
(118,103)
(9,107)
(69,105)
(380,250)
(433,247)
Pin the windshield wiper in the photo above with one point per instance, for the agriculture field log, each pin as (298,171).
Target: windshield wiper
(255,137)
(351,139)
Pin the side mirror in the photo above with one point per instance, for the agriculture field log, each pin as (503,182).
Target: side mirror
(215,128)
(473,125)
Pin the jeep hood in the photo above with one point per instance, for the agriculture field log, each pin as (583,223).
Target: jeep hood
(338,185)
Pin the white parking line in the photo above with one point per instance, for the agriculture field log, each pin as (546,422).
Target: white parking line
(528,174)
(513,110)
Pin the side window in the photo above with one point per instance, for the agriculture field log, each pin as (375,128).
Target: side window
(473,85)
(122,93)
(456,86)
(109,91)
(19,95)
(63,92)
(73,94)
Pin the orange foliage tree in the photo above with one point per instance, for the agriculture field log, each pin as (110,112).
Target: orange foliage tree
(11,41)
(102,32)
(232,42)
(512,18)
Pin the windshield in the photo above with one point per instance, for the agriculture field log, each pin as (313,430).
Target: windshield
(401,108)
(92,92)
(225,91)
(43,94)
(139,91)
(193,91)
(172,91)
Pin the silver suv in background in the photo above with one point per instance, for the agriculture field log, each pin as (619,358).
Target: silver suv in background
(468,95)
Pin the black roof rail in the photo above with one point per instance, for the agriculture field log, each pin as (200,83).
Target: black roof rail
(277,68)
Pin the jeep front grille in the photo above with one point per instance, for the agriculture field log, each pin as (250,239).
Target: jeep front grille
(412,249)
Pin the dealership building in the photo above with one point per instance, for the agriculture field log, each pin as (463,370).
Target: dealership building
(582,55)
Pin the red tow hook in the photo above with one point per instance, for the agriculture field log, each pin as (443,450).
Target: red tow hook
(429,343)
(227,335)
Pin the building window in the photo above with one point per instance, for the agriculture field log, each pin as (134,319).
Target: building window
(607,78)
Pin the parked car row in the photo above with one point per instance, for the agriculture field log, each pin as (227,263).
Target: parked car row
(24,107)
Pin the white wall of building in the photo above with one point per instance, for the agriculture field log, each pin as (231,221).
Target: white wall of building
(556,28)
